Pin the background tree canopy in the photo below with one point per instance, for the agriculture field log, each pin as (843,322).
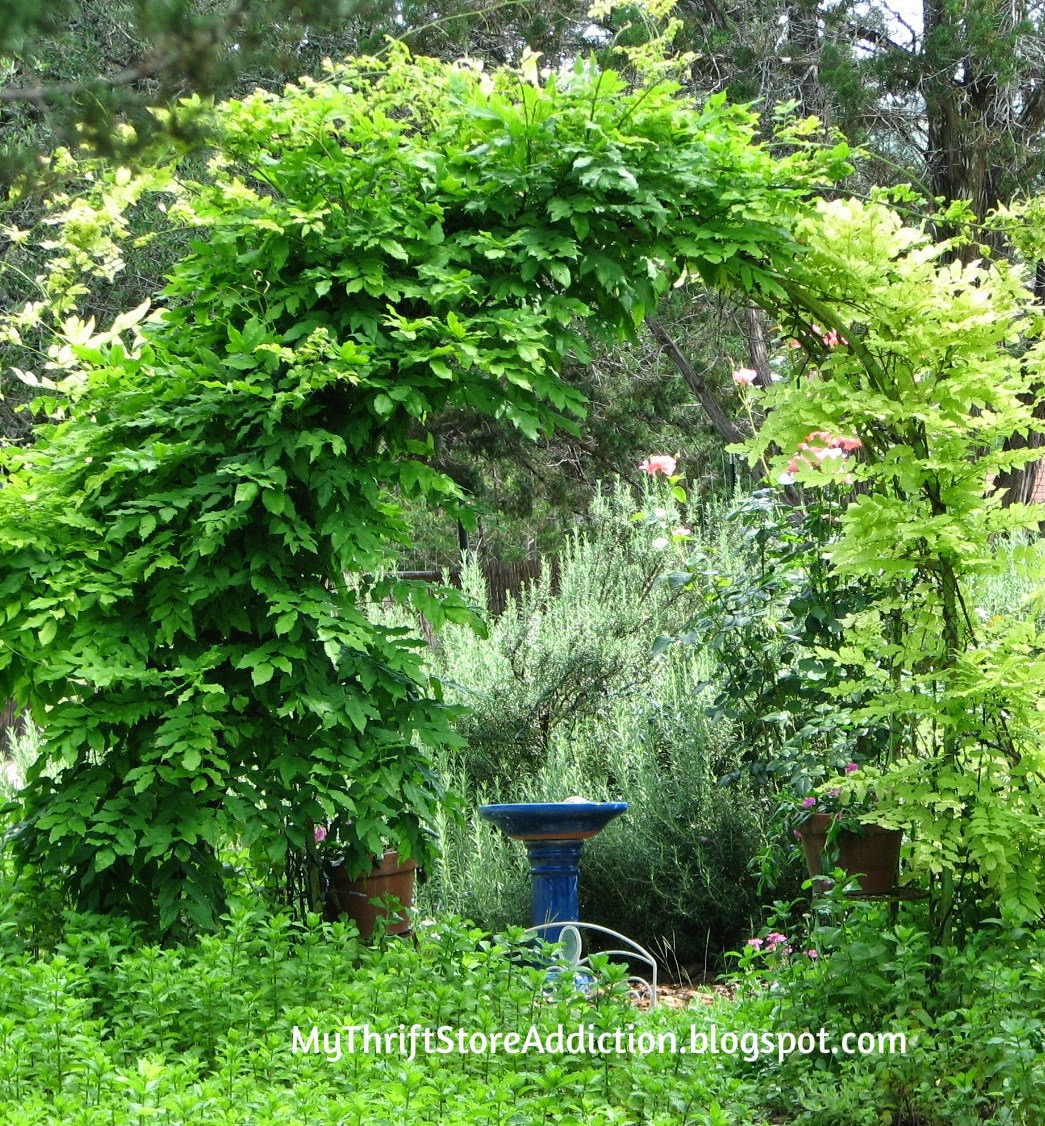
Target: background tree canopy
(76,72)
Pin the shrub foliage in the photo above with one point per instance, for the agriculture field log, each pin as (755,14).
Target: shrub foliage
(564,698)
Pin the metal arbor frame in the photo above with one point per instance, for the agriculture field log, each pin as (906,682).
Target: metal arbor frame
(572,949)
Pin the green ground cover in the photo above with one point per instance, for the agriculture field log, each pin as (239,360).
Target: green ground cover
(100,1029)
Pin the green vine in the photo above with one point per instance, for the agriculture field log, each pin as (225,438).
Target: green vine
(189,548)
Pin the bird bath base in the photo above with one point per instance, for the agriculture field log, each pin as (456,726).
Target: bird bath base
(584,978)
(554,834)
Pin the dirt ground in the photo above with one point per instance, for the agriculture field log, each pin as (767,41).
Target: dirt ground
(685,995)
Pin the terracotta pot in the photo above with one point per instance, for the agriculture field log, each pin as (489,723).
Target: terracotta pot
(351,898)
(875,852)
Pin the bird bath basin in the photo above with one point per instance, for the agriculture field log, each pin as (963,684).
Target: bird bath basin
(554,834)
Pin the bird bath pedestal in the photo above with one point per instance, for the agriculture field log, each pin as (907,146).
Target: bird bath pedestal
(554,834)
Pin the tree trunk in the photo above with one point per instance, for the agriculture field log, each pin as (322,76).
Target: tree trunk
(803,24)
(755,332)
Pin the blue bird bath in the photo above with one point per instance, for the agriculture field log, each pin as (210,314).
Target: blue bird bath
(554,834)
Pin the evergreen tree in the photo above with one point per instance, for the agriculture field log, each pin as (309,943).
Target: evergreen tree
(90,72)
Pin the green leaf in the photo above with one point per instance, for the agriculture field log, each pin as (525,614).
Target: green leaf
(275,501)
(560,272)
(660,645)
(285,623)
(104,858)
(262,674)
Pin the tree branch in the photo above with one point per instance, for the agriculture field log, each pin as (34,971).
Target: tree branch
(45,92)
(864,32)
(723,424)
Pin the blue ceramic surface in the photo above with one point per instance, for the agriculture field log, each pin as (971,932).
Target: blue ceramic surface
(562,821)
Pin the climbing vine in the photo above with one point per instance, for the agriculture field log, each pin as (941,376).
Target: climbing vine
(914,376)
(188,547)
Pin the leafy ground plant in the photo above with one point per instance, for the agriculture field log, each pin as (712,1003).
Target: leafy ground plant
(107,1028)
(970,1055)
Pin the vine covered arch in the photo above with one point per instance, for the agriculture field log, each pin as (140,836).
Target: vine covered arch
(186,554)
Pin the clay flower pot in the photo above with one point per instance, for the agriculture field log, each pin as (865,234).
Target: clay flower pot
(352,898)
(874,852)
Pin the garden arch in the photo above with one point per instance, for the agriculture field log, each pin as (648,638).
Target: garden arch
(402,236)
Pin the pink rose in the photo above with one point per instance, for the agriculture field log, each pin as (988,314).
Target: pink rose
(851,768)
(812,954)
(745,376)
(821,449)
(320,834)
(809,802)
(659,465)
